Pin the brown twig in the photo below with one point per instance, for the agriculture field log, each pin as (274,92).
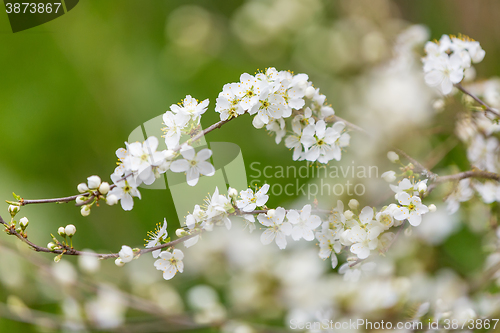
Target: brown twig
(203,133)
(477,99)
(209,129)
(420,168)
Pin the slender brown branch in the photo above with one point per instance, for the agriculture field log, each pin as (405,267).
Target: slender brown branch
(198,136)
(477,99)
(468,174)
(203,133)
(66,250)
(481,174)
(420,168)
(24,202)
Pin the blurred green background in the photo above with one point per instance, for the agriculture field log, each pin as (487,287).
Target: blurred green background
(72,90)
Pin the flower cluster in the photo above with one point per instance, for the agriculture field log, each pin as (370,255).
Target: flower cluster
(362,231)
(144,163)
(270,96)
(446,60)
(273,97)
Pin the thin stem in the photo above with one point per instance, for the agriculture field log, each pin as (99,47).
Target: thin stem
(69,250)
(423,170)
(198,136)
(203,133)
(481,174)
(433,176)
(477,99)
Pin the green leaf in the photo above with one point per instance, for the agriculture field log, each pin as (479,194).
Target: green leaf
(18,198)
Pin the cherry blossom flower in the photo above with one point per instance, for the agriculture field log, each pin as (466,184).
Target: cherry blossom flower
(411,210)
(170,263)
(172,129)
(303,223)
(194,164)
(269,106)
(217,210)
(249,201)
(190,109)
(328,247)
(277,229)
(228,103)
(143,157)
(125,190)
(322,143)
(160,234)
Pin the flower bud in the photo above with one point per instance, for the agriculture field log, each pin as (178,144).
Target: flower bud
(422,187)
(94,182)
(80,199)
(348,214)
(180,232)
(126,254)
(257,122)
(104,188)
(85,211)
(392,156)
(111,199)
(70,230)
(310,91)
(232,192)
(353,204)
(389,176)
(57,258)
(51,246)
(119,262)
(432,208)
(24,222)
(61,231)
(13,210)
(82,188)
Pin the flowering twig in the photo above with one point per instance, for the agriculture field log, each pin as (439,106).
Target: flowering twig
(198,136)
(462,175)
(477,99)
(203,133)
(417,164)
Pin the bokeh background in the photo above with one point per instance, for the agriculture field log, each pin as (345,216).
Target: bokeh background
(73,89)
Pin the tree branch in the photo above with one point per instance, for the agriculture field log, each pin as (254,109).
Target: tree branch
(198,136)
(477,99)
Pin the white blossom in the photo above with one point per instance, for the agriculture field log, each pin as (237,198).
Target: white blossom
(249,201)
(412,209)
(155,238)
(125,190)
(194,164)
(303,223)
(277,229)
(190,109)
(170,263)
